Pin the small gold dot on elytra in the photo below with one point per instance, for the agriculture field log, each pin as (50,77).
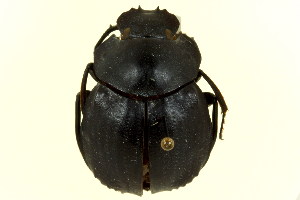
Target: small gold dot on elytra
(167,143)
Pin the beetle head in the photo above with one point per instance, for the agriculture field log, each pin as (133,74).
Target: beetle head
(147,23)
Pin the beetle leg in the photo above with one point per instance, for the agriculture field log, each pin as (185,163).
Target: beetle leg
(77,122)
(80,102)
(219,97)
(212,100)
(88,70)
(215,121)
(92,73)
(105,34)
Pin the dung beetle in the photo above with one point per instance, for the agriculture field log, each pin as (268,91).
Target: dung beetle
(146,124)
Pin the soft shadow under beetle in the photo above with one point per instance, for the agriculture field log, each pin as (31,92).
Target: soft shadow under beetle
(146,124)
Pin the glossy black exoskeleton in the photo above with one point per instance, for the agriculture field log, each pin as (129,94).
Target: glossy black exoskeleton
(146,124)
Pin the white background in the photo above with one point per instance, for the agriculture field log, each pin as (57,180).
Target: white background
(250,48)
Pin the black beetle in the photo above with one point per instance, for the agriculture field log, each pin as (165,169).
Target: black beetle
(146,124)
